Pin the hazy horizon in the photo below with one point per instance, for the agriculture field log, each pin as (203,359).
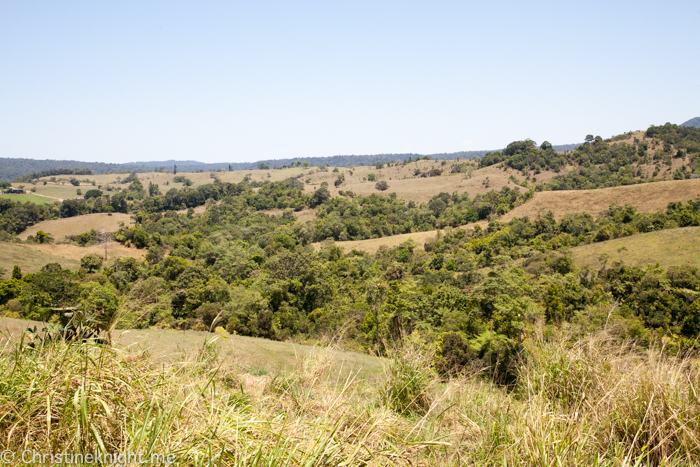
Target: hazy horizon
(240,82)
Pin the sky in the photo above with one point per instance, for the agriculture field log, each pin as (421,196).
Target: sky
(237,81)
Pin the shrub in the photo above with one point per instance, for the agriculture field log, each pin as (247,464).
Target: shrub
(409,378)
(91,262)
(382,186)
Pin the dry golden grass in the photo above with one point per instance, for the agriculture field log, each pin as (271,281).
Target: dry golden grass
(73,252)
(406,185)
(60,228)
(593,401)
(674,247)
(32,257)
(647,197)
(29,259)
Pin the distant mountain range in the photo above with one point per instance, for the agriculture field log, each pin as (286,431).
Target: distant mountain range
(11,169)
(692,122)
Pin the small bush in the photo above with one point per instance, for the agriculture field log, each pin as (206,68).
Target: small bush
(409,378)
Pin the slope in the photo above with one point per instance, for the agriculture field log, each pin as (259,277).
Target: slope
(674,247)
(256,355)
(647,197)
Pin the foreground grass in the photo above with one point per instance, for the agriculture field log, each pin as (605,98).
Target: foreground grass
(247,354)
(595,401)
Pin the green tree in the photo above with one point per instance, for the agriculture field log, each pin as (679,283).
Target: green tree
(16,272)
(91,262)
(382,186)
(42,237)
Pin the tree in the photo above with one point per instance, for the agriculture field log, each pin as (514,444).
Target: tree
(17,272)
(589,138)
(320,196)
(42,237)
(153,189)
(371,177)
(382,186)
(93,194)
(91,262)
(175,169)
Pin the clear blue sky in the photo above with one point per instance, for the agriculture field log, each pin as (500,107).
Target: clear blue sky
(121,81)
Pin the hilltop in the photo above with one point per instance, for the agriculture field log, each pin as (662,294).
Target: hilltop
(692,122)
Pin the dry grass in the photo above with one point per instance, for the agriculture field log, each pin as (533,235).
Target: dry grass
(32,257)
(647,197)
(406,185)
(73,252)
(29,259)
(595,401)
(674,247)
(248,353)
(60,228)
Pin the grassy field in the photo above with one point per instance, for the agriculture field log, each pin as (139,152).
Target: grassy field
(647,197)
(60,192)
(594,401)
(29,259)
(258,356)
(32,258)
(675,247)
(29,197)
(60,228)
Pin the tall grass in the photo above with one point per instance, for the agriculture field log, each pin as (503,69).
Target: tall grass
(594,401)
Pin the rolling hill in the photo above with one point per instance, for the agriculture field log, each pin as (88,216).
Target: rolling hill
(692,122)
(648,197)
(32,257)
(674,247)
(60,228)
